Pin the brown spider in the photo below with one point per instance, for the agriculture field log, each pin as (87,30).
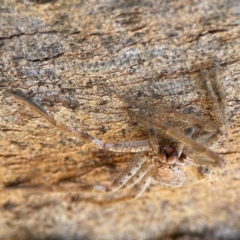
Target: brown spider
(159,157)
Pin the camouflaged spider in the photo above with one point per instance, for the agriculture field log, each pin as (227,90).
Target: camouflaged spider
(159,158)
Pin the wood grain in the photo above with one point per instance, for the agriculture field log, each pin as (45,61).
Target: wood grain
(79,60)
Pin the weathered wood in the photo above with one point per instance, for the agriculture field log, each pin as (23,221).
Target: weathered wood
(79,60)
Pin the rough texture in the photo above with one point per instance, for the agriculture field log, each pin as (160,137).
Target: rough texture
(78,60)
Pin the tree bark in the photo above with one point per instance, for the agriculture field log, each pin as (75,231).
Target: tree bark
(80,61)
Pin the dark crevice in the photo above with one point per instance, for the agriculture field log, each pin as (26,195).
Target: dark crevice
(47,58)
(28,34)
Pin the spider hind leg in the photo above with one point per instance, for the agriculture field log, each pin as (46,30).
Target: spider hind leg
(134,171)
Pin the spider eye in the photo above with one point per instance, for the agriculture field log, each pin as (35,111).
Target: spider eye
(189,131)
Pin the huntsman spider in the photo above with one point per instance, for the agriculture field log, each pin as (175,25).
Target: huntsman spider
(166,149)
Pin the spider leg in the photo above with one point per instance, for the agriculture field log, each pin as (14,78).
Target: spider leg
(134,146)
(153,140)
(142,185)
(209,89)
(220,90)
(131,170)
(60,126)
(188,133)
(221,97)
(138,175)
(209,137)
(216,94)
(35,107)
(191,121)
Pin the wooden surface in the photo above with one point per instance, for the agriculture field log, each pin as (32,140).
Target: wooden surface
(79,60)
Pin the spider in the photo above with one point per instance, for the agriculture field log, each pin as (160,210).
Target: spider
(161,156)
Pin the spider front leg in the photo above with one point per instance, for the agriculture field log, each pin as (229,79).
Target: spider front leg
(188,132)
(134,146)
(62,127)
